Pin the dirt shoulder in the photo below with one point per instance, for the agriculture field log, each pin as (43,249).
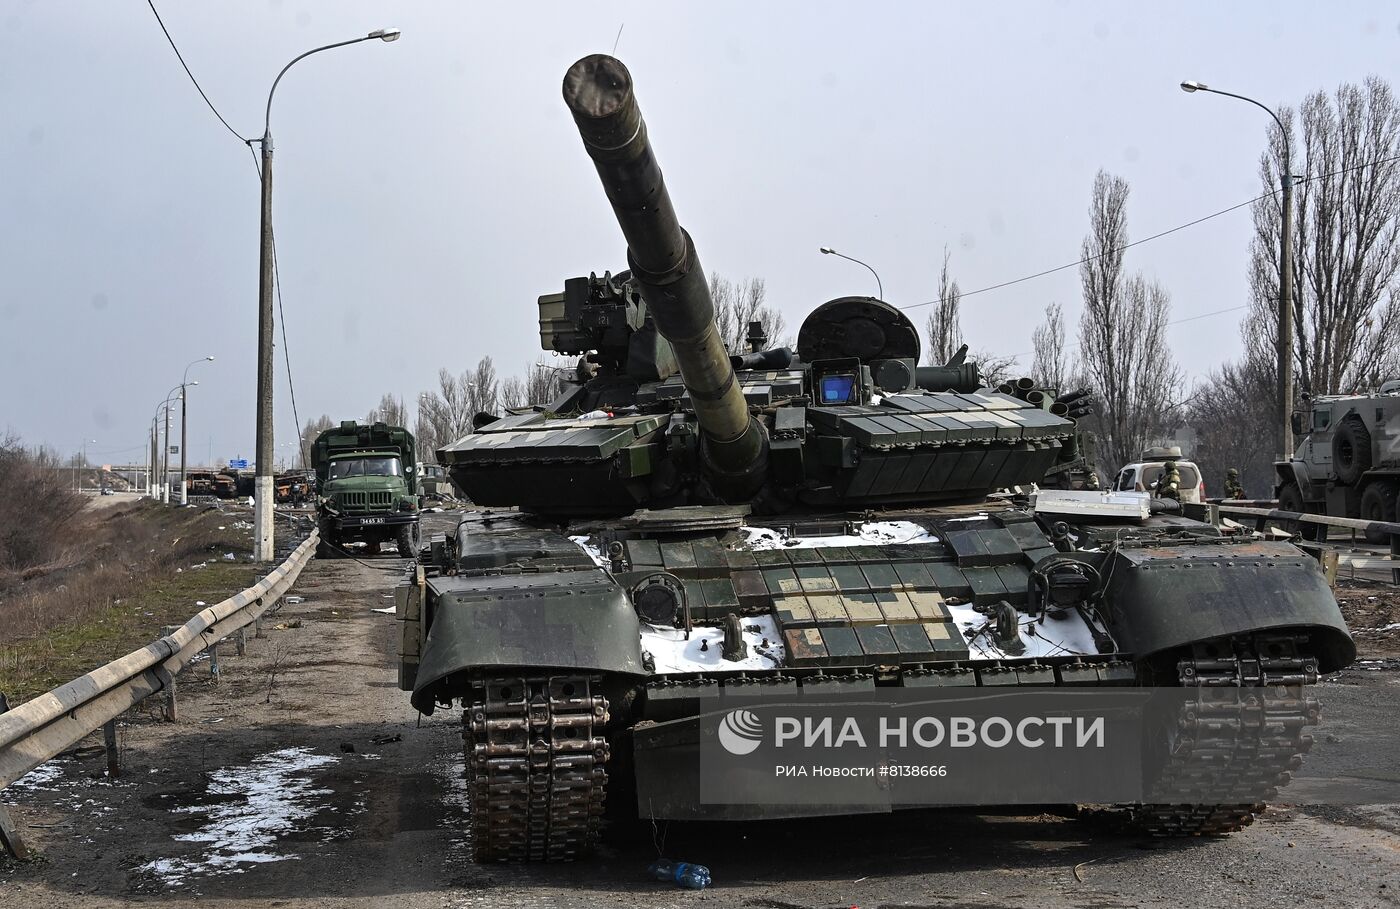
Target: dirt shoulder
(137,568)
(1372,611)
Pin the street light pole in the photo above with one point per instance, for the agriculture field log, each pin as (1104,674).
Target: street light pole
(184,413)
(828,251)
(264,496)
(1285,305)
(165,459)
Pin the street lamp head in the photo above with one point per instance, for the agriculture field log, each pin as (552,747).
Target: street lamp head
(209,358)
(385,34)
(827,250)
(195,382)
(1191,85)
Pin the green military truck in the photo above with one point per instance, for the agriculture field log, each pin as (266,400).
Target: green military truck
(365,488)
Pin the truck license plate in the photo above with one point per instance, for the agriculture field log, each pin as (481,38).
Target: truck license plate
(371,520)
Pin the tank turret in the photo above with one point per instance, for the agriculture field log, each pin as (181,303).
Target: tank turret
(665,267)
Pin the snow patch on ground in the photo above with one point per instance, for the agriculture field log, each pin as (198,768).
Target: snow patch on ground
(257,805)
(41,779)
(872,533)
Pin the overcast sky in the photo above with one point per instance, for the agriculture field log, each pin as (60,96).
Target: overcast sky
(427,191)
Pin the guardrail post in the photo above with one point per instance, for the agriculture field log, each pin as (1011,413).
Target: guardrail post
(1213,514)
(1395,553)
(240,641)
(257,627)
(109,739)
(167,683)
(10,838)
(213,651)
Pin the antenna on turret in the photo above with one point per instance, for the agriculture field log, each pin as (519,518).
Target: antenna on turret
(619,37)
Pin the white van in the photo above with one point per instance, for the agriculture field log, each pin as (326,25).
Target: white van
(1142,475)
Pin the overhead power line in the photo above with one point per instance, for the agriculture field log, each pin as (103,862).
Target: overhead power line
(181,58)
(1156,236)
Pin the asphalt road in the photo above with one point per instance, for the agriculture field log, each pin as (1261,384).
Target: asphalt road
(252,798)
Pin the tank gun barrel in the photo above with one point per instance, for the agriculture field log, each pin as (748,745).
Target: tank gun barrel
(598,90)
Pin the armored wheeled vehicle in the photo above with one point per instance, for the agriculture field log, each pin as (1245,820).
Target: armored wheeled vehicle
(686,521)
(1347,463)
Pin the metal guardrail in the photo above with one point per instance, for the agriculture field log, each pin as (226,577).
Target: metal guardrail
(1319,522)
(40,729)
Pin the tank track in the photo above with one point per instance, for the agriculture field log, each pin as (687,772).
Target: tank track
(536,767)
(1241,738)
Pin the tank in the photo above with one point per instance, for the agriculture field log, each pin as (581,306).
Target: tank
(688,521)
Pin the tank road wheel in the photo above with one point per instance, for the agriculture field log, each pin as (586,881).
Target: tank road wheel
(1378,504)
(536,756)
(1351,451)
(407,541)
(1290,498)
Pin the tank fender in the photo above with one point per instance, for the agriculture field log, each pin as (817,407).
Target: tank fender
(1163,598)
(565,621)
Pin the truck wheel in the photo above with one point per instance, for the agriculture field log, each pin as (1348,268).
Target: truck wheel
(1290,498)
(1351,451)
(1378,504)
(324,550)
(407,541)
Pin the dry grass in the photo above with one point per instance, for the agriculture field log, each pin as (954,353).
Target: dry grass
(119,577)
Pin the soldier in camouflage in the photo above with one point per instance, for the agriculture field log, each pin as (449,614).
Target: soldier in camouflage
(1168,485)
(1233,488)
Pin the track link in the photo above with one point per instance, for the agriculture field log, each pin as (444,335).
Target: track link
(1235,743)
(536,757)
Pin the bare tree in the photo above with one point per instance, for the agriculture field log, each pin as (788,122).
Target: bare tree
(1049,366)
(736,305)
(1346,245)
(546,378)
(445,414)
(944,330)
(391,410)
(1122,332)
(513,392)
(39,510)
(993,367)
(313,428)
(1232,428)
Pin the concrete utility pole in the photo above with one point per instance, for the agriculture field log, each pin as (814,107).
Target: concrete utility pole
(184,446)
(1285,304)
(264,496)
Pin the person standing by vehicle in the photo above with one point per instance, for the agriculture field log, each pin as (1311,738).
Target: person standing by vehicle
(1168,485)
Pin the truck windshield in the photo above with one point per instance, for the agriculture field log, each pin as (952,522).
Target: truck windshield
(365,467)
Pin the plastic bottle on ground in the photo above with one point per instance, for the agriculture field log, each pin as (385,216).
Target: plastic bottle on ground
(683,874)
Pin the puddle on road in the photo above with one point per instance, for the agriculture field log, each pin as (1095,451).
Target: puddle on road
(249,812)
